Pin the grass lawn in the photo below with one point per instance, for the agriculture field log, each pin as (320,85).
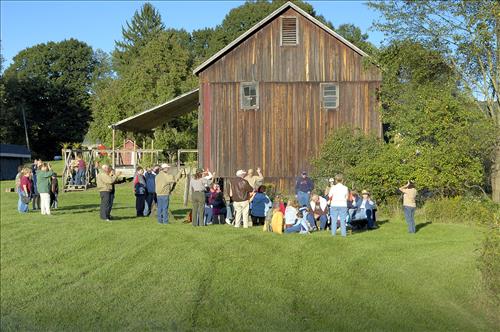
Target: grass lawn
(71,271)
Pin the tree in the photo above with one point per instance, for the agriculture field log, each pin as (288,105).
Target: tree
(144,26)
(467,35)
(353,34)
(52,83)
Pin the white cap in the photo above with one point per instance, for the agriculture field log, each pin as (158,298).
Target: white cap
(164,165)
(331,180)
(240,172)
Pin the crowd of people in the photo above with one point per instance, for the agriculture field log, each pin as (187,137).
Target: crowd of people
(37,184)
(246,203)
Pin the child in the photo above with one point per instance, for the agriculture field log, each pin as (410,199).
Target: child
(301,225)
(277,220)
(43,182)
(54,192)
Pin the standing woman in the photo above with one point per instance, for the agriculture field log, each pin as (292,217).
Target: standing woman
(197,185)
(409,204)
(25,190)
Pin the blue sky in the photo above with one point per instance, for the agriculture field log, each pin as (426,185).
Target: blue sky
(98,23)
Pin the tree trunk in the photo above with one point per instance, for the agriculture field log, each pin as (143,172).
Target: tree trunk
(495,176)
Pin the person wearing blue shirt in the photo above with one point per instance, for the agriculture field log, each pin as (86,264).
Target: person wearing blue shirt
(151,199)
(365,209)
(260,204)
(303,188)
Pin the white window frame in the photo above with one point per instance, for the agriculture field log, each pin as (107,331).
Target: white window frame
(296,30)
(322,95)
(242,95)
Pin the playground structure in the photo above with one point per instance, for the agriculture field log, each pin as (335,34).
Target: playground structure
(124,161)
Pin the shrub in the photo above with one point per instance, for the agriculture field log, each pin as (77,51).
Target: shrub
(489,262)
(462,210)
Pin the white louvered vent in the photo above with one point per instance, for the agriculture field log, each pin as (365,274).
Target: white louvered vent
(289,31)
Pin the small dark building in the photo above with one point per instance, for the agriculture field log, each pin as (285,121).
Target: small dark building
(11,156)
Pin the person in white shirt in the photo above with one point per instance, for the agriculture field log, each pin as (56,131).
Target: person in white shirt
(337,196)
(291,213)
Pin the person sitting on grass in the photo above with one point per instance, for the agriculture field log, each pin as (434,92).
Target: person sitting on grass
(140,191)
(259,203)
(365,209)
(25,190)
(43,183)
(291,213)
(318,211)
(277,220)
(301,225)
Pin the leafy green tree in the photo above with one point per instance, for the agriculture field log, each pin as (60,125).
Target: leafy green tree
(354,34)
(144,26)
(467,35)
(52,82)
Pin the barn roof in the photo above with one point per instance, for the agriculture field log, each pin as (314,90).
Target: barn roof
(160,114)
(264,21)
(13,150)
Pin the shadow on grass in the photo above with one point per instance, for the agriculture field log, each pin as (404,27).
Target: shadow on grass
(422,225)
(180,213)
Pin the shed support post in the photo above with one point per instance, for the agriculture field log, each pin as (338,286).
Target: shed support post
(113,150)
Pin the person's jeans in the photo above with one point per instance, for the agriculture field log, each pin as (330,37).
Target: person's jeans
(335,212)
(229,211)
(323,219)
(294,229)
(163,202)
(36,200)
(198,201)
(150,200)
(80,177)
(209,213)
(241,212)
(410,218)
(303,198)
(21,207)
(105,205)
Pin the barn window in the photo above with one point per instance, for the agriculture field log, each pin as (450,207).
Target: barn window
(329,95)
(289,31)
(249,95)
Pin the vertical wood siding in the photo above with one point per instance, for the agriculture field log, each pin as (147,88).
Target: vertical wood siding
(288,128)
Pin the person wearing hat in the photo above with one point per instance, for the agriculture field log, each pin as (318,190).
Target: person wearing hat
(409,204)
(164,185)
(365,209)
(303,188)
(338,205)
(239,191)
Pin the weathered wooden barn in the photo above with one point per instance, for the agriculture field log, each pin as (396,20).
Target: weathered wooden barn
(271,97)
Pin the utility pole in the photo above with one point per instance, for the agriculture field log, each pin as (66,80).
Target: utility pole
(25,128)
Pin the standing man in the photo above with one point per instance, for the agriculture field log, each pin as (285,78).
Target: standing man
(151,189)
(240,191)
(338,205)
(164,185)
(303,188)
(255,180)
(409,204)
(105,186)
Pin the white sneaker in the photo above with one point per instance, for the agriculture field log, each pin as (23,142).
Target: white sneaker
(228,221)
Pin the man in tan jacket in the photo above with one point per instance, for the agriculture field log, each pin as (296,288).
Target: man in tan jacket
(105,185)
(164,185)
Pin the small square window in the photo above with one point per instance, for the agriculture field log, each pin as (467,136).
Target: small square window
(329,95)
(249,96)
